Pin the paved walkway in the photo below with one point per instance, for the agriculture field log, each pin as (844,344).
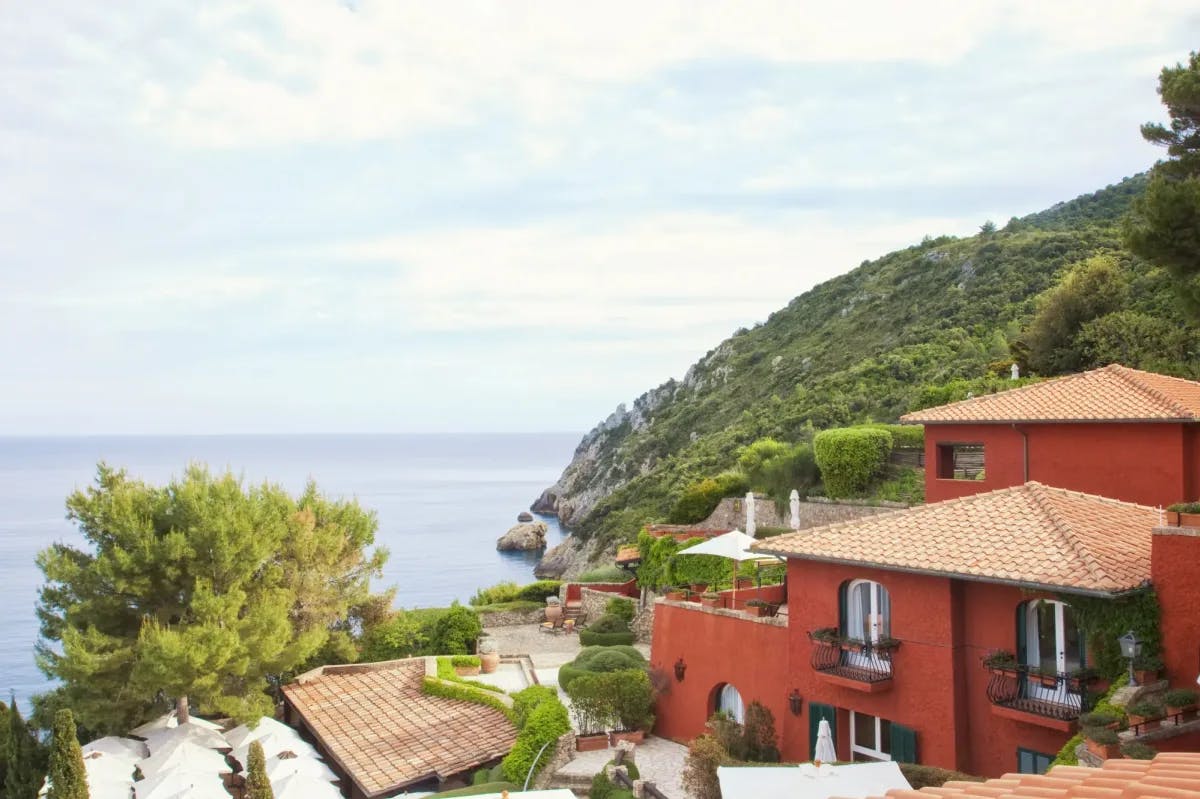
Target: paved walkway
(658,760)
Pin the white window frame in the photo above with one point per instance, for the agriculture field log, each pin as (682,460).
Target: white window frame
(1033,644)
(737,707)
(879,614)
(855,749)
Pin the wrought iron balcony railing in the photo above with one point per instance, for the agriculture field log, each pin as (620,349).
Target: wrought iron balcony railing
(1055,695)
(851,659)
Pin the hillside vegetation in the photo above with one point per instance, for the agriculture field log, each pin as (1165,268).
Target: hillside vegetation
(915,328)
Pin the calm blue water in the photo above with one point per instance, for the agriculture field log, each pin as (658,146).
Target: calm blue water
(442,502)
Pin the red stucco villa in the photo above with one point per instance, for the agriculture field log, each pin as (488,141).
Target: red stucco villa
(1038,496)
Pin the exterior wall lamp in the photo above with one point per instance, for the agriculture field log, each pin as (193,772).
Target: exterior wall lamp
(1131,647)
(680,669)
(795,703)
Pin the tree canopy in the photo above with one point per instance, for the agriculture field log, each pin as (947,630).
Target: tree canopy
(23,758)
(203,589)
(1163,226)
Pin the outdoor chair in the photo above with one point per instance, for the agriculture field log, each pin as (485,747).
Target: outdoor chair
(552,626)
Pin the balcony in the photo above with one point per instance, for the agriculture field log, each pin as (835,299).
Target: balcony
(1046,699)
(766,604)
(857,665)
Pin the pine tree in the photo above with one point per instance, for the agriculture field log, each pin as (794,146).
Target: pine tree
(68,778)
(24,778)
(257,784)
(202,589)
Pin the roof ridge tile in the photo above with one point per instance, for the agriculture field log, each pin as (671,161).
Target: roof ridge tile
(1134,378)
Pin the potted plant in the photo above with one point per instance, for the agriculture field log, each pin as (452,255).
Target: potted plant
(676,594)
(1146,668)
(466,665)
(1080,677)
(489,656)
(760,607)
(1102,742)
(711,599)
(744,583)
(554,610)
(1048,679)
(1136,750)
(886,644)
(1099,718)
(1181,702)
(632,699)
(592,710)
(1001,660)
(1146,713)
(1188,514)
(826,635)
(698,588)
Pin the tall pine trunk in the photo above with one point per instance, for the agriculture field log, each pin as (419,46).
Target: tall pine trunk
(182,716)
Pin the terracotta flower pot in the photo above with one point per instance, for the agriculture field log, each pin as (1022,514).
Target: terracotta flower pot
(1189,519)
(1103,751)
(592,742)
(489,662)
(677,596)
(633,736)
(554,612)
(1147,676)
(712,601)
(468,671)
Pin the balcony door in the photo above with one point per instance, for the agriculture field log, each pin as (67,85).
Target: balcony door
(1051,643)
(868,618)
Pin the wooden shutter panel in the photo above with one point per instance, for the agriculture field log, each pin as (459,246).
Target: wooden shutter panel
(904,744)
(843,595)
(1022,636)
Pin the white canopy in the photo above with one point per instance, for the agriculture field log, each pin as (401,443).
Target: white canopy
(241,735)
(278,768)
(124,748)
(181,782)
(107,768)
(297,786)
(189,732)
(807,782)
(184,756)
(734,545)
(274,745)
(106,789)
(168,720)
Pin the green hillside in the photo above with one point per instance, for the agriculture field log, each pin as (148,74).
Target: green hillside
(914,328)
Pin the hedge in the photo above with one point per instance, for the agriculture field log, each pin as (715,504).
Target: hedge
(511,592)
(699,500)
(596,659)
(590,638)
(527,699)
(904,436)
(545,722)
(463,692)
(850,458)
(623,698)
(605,574)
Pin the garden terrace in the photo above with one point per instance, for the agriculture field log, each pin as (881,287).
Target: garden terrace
(1019,690)
(767,601)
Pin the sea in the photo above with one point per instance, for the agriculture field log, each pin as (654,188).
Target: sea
(441,500)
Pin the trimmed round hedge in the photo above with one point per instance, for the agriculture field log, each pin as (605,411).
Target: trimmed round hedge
(850,458)
(597,659)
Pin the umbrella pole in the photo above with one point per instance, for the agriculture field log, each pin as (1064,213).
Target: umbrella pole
(735,576)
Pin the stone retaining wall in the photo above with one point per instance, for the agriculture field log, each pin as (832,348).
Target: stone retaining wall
(593,602)
(509,618)
(643,622)
(562,753)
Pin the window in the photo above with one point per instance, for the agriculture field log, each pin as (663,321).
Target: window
(868,611)
(873,738)
(730,701)
(1031,762)
(960,461)
(1048,637)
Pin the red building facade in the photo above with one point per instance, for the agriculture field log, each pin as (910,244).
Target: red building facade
(939,588)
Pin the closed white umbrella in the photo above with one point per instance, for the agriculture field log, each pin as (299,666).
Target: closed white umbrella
(243,734)
(298,786)
(280,767)
(185,756)
(825,751)
(794,507)
(189,732)
(750,513)
(124,748)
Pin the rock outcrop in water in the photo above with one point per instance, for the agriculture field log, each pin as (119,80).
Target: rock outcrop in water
(524,536)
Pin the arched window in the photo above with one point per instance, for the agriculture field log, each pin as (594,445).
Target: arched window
(729,701)
(866,611)
(1048,637)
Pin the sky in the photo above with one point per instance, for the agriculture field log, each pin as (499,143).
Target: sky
(358,216)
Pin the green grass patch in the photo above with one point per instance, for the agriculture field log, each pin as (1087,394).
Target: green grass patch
(901,484)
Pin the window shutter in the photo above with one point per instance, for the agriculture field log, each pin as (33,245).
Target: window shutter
(1022,637)
(904,744)
(843,620)
(816,712)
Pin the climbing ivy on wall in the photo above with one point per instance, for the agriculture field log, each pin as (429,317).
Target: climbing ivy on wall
(1103,621)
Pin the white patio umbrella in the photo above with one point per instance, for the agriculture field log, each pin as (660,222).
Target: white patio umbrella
(274,745)
(106,789)
(243,734)
(181,782)
(126,748)
(108,768)
(169,720)
(189,732)
(298,786)
(824,749)
(750,513)
(184,756)
(734,545)
(280,767)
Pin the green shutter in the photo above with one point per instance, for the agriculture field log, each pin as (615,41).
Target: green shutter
(904,744)
(816,712)
(842,591)
(1021,633)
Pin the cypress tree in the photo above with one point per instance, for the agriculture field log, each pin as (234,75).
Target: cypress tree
(3,743)
(23,778)
(257,784)
(68,778)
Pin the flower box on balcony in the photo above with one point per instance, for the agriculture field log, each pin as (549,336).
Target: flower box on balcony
(760,607)
(1103,751)
(712,600)
(1189,519)
(1145,714)
(1102,742)
(1181,702)
(677,596)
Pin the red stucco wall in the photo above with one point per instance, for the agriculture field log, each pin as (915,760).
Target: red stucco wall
(1175,572)
(1152,464)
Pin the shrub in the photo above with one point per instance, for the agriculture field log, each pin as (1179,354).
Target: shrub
(1135,750)
(68,778)
(705,754)
(609,624)
(605,574)
(591,703)
(545,722)
(597,659)
(506,591)
(762,745)
(540,590)
(1185,507)
(931,776)
(1101,735)
(258,786)
(621,608)
(401,635)
(779,468)
(464,692)
(474,790)
(604,788)
(1147,708)
(465,661)
(1098,719)
(850,458)
(592,638)
(1180,697)
(632,698)
(904,436)
(527,699)
(455,633)
(696,502)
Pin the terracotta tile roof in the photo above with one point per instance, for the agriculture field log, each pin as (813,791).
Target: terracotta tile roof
(1030,534)
(1111,394)
(628,553)
(1170,775)
(375,722)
